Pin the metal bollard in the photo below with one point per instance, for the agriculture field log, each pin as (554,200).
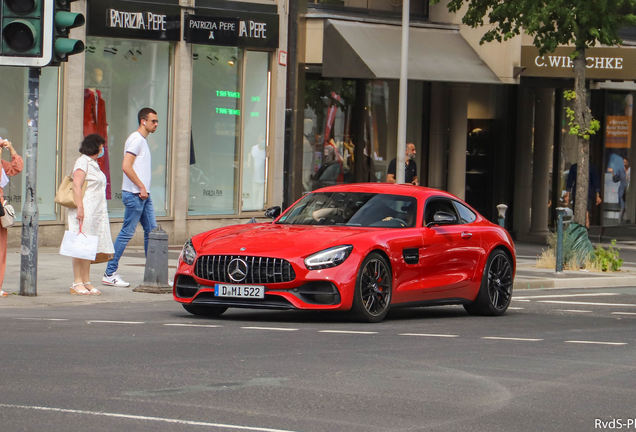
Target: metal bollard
(156,271)
(559,245)
(501,209)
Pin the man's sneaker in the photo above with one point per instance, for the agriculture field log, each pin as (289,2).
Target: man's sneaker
(114,280)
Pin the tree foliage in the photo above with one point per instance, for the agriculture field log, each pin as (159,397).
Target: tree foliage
(580,23)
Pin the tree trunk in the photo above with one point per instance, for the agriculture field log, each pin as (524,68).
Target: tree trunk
(583,118)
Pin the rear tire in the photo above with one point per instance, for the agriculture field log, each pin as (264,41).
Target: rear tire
(372,296)
(205,311)
(495,291)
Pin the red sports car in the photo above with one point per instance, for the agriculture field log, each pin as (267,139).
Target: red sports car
(359,247)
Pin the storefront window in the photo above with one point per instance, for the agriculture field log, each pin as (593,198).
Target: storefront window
(13,126)
(618,197)
(216,115)
(123,76)
(335,125)
(255,130)
(230,114)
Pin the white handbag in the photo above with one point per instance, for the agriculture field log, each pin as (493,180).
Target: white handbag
(8,219)
(79,245)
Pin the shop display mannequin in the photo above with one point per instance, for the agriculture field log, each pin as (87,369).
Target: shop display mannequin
(95,121)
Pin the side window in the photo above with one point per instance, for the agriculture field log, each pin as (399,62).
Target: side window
(465,214)
(435,205)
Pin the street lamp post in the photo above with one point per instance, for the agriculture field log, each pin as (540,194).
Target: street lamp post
(404,64)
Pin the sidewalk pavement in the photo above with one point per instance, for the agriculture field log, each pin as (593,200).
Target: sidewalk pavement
(55,275)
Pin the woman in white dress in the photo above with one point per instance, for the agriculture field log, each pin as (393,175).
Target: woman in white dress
(91,215)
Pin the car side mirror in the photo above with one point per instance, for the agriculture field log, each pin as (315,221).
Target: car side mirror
(442,218)
(273,212)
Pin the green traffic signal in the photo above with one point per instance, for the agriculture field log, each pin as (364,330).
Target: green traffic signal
(21,7)
(68,20)
(19,35)
(22,28)
(67,47)
(63,21)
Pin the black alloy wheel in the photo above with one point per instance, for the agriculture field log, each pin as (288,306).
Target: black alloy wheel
(495,292)
(372,296)
(205,311)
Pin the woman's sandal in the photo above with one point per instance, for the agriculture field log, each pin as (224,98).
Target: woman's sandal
(4,294)
(93,291)
(75,291)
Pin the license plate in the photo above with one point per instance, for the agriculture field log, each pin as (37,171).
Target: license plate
(240,291)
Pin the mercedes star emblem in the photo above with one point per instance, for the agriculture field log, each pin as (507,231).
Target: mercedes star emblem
(237,270)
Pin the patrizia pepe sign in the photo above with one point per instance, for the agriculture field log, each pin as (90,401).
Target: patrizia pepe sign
(246,30)
(600,63)
(113,18)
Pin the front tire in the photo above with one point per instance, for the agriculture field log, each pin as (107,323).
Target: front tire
(205,311)
(495,291)
(372,295)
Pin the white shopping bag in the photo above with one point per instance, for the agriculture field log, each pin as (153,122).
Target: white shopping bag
(79,245)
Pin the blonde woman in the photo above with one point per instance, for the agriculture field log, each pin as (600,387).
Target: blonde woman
(91,215)
(7,169)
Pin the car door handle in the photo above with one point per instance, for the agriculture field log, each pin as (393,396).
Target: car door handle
(466,235)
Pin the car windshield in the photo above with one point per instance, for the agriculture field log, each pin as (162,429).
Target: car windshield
(353,209)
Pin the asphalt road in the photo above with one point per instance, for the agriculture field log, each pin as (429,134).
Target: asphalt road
(560,360)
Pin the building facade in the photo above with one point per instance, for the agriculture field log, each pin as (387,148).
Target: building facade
(459,94)
(209,68)
(547,153)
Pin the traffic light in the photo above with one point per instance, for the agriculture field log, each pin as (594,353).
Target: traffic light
(25,25)
(64,20)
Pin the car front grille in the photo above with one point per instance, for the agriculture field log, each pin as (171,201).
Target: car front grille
(260,270)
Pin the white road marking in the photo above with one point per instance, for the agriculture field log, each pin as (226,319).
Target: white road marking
(597,343)
(566,295)
(346,332)
(138,417)
(115,322)
(192,325)
(429,335)
(623,313)
(515,308)
(270,328)
(573,310)
(587,303)
(511,338)
(521,300)
(44,319)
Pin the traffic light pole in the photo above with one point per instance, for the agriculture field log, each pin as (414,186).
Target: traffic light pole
(30,219)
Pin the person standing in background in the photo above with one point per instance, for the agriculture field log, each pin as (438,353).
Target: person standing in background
(621,176)
(135,193)
(8,169)
(410,170)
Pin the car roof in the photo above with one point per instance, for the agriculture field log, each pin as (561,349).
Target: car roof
(387,188)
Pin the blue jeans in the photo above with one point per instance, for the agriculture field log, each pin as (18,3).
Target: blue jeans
(137,210)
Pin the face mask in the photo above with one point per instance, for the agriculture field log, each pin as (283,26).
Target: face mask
(101,152)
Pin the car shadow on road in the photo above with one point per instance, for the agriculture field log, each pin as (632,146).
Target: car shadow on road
(335,317)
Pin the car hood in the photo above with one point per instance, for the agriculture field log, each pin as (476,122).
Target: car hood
(275,240)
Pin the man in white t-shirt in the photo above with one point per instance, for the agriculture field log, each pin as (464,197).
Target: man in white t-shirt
(135,195)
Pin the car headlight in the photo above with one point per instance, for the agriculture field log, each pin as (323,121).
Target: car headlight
(188,254)
(331,257)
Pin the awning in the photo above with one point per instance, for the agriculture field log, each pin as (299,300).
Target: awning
(360,50)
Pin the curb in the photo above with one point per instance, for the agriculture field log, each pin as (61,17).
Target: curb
(617,281)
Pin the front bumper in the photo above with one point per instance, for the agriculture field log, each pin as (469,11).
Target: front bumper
(328,289)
